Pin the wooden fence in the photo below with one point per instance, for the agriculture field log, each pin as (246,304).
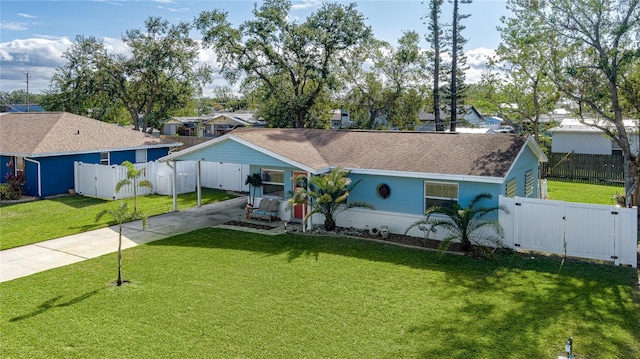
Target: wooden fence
(597,169)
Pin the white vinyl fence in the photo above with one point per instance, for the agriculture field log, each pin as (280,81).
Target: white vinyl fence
(100,181)
(578,230)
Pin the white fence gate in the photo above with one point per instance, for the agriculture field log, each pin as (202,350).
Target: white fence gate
(97,180)
(578,230)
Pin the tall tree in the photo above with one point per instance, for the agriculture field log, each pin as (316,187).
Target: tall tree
(77,86)
(458,62)
(595,44)
(524,56)
(292,62)
(392,87)
(435,37)
(160,74)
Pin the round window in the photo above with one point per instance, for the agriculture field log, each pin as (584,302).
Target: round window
(383,191)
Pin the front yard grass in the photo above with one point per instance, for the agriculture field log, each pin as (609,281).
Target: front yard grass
(40,220)
(226,294)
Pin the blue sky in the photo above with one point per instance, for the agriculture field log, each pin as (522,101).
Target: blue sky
(34,34)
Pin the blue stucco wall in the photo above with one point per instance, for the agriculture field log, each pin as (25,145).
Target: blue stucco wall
(4,169)
(117,157)
(56,173)
(407,194)
(527,161)
(155,153)
(232,152)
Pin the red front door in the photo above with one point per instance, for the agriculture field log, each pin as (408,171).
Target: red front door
(298,210)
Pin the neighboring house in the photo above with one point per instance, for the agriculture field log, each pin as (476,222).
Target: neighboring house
(45,146)
(21,108)
(213,125)
(573,135)
(414,170)
(471,116)
(340,119)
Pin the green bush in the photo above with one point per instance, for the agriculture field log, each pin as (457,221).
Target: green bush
(4,191)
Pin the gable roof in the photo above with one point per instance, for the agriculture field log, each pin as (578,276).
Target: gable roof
(63,133)
(384,152)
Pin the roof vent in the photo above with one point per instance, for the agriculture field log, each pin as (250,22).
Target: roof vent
(77,133)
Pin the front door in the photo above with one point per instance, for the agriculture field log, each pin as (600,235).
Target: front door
(299,180)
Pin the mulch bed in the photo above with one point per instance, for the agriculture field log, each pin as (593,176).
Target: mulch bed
(249,225)
(351,232)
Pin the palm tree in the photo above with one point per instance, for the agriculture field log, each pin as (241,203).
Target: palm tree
(467,225)
(133,175)
(327,195)
(122,215)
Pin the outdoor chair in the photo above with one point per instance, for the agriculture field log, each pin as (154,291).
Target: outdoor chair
(268,209)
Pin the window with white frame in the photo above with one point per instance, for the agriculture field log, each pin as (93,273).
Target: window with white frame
(511,188)
(528,183)
(141,156)
(273,183)
(104,158)
(440,194)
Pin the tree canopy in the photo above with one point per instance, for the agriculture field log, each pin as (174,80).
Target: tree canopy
(160,74)
(290,64)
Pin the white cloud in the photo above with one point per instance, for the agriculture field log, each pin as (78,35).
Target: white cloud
(173,9)
(11,25)
(21,14)
(307,4)
(477,59)
(37,56)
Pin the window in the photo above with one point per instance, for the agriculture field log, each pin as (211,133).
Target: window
(104,158)
(440,194)
(528,183)
(383,191)
(273,183)
(511,187)
(141,156)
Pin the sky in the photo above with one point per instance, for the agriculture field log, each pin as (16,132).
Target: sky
(35,33)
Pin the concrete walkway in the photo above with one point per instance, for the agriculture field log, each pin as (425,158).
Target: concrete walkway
(26,260)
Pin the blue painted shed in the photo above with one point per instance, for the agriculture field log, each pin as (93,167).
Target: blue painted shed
(45,146)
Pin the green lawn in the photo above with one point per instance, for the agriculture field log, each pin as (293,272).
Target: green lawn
(226,294)
(33,222)
(582,192)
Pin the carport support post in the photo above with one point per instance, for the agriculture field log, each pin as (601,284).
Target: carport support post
(175,186)
(198,184)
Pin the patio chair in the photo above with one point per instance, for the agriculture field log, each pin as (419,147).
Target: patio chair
(268,209)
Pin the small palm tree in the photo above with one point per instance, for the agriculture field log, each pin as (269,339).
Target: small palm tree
(254,181)
(133,175)
(122,215)
(466,225)
(328,195)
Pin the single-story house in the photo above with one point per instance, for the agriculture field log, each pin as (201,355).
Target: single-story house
(214,125)
(45,145)
(471,116)
(402,173)
(574,135)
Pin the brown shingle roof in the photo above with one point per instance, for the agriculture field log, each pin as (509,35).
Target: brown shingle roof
(439,153)
(56,133)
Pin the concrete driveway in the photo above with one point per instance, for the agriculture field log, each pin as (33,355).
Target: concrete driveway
(26,260)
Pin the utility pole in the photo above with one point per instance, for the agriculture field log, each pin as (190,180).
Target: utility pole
(27,74)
